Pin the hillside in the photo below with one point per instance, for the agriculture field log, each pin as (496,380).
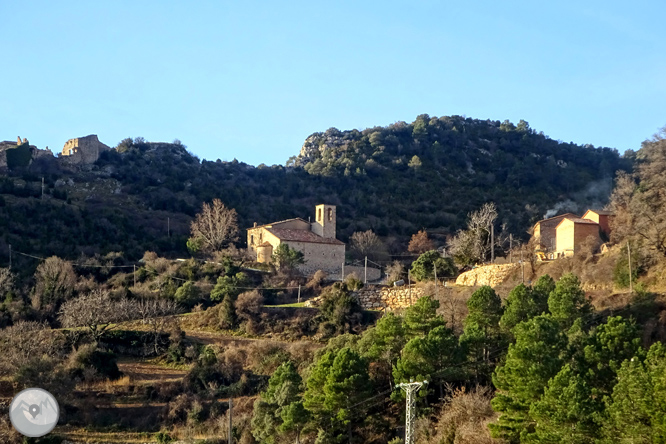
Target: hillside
(394,180)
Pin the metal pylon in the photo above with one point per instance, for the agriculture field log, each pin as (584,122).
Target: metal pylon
(410,389)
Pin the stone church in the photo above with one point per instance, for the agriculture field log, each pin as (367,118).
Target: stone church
(316,240)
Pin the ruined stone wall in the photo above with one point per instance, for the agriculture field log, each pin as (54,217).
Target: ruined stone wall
(491,275)
(83,150)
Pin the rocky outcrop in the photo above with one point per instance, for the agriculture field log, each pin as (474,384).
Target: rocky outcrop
(492,275)
(316,144)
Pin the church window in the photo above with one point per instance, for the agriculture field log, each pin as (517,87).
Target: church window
(319,215)
(330,214)
(252,239)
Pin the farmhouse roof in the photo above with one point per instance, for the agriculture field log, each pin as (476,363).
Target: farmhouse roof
(601,212)
(288,234)
(578,220)
(567,215)
(264,244)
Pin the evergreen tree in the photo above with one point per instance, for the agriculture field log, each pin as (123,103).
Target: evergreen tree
(383,343)
(482,338)
(422,317)
(568,302)
(541,291)
(227,314)
(337,382)
(636,411)
(279,409)
(428,358)
(535,357)
(423,268)
(565,414)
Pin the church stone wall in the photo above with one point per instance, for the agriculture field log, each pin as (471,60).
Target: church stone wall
(325,257)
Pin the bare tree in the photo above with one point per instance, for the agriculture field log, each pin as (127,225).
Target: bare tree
(158,314)
(97,312)
(214,227)
(639,199)
(25,341)
(367,243)
(395,271)
(420,243)
(473,245)
(55,281)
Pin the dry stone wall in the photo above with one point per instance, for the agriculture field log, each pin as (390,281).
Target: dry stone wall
(492,275)
(377,297)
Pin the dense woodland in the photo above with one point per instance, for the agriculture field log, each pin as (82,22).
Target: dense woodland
(574,354)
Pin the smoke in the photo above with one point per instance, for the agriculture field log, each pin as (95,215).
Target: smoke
(594,196)
(567,206)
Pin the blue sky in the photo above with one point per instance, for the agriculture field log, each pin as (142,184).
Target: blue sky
(251,80)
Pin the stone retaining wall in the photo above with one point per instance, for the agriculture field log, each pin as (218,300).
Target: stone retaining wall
(491,275)
(377,297)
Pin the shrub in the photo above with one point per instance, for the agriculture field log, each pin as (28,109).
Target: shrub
(90,357)
(163,437)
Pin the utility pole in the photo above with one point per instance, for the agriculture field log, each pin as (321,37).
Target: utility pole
(10,256)
(522,265)
(631,288)
(299,293)
(231,437)
(343,271)
(366,270)
(135,275)
(168,227)
(42,188)
(434,266)
(409,283)
(510,248)
(492,243)
(410,389)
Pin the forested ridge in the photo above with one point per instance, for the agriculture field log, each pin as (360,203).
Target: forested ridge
(393,180)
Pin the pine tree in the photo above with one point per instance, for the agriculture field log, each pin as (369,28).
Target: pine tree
(337,382)
(636,411)
(383,343)
(422,317)
(279,409)
(428,358)
(482,338)
(568,302)
(535,357)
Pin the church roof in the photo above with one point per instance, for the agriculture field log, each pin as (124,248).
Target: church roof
(279,222)
(288,234)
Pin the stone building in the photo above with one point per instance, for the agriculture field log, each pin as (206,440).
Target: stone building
(544,232)
(316,240)
(83,150)
(563,235)
(602,217)
(573,232)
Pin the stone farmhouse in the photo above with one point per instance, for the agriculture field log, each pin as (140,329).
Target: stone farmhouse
(316,240)
(563,235)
